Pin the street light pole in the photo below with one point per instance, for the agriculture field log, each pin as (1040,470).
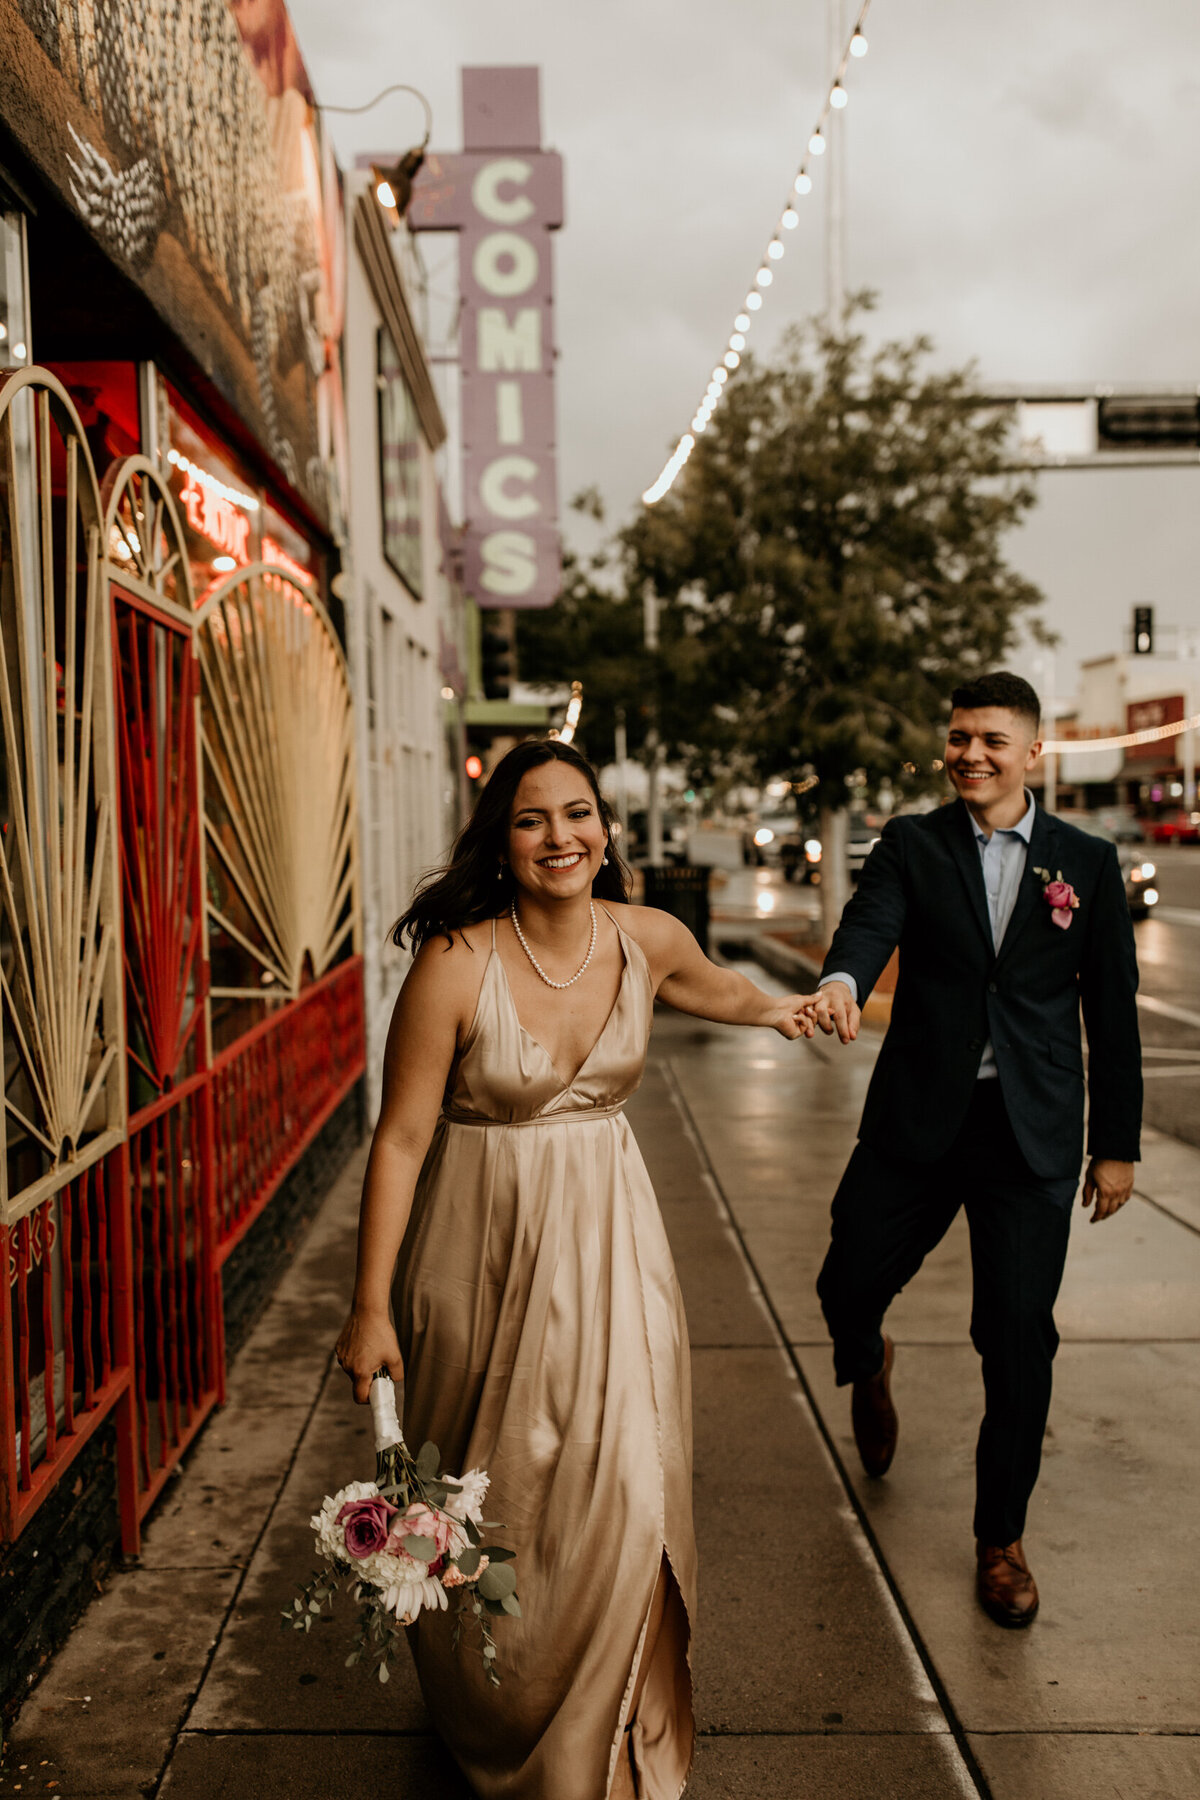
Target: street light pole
(654,830)
(835,192)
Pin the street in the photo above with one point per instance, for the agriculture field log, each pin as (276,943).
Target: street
(754,901)
(1168,946)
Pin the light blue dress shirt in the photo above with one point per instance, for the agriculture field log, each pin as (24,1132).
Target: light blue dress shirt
(1003,856)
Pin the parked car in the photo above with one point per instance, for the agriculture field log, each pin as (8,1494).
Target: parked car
(1137,872)
(862,838)
(1177,827)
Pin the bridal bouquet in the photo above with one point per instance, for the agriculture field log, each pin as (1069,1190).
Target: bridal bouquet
(407,1540)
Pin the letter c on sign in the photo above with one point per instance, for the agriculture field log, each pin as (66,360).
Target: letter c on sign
(520,261)
(493,487)
(509,563)
(509,171)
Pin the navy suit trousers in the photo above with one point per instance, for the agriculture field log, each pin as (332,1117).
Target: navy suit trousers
(889,1214)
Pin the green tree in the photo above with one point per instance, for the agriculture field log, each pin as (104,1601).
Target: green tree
(834,547)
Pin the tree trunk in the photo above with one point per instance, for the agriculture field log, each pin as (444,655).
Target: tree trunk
(654,826)
(835,874)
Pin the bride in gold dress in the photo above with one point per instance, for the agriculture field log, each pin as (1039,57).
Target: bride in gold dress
(509,1228)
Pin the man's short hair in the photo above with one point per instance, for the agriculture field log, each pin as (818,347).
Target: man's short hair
(1000,688)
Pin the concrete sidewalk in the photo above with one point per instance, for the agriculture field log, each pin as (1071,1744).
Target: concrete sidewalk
(844,1658)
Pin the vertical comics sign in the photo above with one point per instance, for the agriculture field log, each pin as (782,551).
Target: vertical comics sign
(503,196)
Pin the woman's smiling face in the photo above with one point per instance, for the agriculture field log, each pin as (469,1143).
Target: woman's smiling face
(556,837)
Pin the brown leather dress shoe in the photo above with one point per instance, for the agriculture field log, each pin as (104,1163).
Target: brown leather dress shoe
(873,1416)
(1007,1591)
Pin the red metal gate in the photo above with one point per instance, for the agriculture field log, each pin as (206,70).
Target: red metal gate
(167,1163)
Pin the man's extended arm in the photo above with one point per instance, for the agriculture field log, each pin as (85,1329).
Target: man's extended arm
(1108,979)
(869,931)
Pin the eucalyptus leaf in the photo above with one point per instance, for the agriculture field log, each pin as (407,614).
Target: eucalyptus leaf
(383,1672)
(469,1560)
(498,1554)
(512,1606)
(497,1580)
(424,1549)
(428,1458)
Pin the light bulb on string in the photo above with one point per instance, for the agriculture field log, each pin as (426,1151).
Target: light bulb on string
(742,322)
(774,249)
(816,143)
(732,359)
(721,375)
(737,341)
(838,96)
(764,278)
(753,302)
(803,182)
(790,218)
(858,44)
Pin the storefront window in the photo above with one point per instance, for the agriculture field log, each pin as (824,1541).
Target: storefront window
(106,397)
(284,546)
(399,468)
(14,292)
(221,512)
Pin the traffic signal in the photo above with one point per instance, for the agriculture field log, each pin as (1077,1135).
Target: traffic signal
(1143,631)
(495,659)
(474,767)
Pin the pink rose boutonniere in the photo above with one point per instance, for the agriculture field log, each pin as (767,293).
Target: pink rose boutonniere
(1059,896)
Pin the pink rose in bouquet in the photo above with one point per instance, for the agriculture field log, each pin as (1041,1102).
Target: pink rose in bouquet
(366,1524)
(429,1523)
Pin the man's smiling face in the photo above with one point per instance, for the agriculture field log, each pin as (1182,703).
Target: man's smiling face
(989,752)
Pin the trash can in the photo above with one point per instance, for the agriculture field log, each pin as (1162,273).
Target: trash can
(682,891)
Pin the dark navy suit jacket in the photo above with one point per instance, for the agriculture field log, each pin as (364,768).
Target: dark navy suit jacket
(922,889)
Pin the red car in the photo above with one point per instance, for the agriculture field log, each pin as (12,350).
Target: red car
(1177,827)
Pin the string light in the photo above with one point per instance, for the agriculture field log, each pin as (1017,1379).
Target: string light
(835,99)
(1153,734)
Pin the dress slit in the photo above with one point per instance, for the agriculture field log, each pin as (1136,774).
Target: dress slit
(666,1693)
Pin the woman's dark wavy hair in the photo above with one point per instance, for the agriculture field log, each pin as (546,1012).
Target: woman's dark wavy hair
(467,889)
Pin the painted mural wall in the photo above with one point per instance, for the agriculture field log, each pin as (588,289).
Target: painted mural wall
(184,135)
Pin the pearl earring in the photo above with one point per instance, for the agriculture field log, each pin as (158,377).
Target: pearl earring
(500,872)
(605,863)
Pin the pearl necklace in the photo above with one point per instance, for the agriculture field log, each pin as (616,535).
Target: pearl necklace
(533,959)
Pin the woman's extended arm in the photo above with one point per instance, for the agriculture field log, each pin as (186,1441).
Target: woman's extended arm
(420,1049)
(686,979)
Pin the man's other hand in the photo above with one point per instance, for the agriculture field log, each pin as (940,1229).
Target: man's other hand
(836,1010)
(1109,1184)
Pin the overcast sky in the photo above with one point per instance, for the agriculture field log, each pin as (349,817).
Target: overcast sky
(1023,184)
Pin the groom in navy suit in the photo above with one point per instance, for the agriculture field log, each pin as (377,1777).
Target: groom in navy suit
(1008,921)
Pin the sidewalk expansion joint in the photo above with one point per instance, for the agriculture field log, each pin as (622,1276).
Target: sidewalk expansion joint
(1166,1211)
(236,1594)
(954,1724)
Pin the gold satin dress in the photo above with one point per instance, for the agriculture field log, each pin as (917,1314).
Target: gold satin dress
(544,1340)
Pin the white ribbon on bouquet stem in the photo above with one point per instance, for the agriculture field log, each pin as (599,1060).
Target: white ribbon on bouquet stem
(383,1413)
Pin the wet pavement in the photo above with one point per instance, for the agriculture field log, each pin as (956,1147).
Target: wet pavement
(839,1651)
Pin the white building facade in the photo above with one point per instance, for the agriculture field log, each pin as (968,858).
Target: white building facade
(405,609)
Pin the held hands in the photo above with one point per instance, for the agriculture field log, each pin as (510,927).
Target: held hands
(793,1017)
(835,1009)
(368,1342)
(1109,1184)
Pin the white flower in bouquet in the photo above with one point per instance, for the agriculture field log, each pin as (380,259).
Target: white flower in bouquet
(469,1503)
(331,1536)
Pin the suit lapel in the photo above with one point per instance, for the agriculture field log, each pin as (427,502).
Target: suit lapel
(1029,894)
(966,854)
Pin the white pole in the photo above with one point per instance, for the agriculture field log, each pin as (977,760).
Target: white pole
(835,193)
(654,828)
